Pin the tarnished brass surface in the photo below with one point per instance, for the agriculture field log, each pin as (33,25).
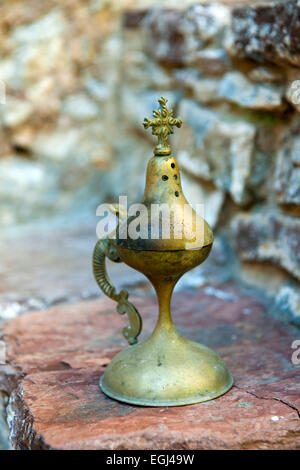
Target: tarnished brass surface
(107,248)
(163,187)
(162,125)
(165,369)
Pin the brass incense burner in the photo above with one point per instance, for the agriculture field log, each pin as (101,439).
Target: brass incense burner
(165,369)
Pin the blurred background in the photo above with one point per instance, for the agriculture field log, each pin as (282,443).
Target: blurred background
(79,78)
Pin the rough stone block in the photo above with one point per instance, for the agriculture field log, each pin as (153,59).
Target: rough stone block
(175,37)
(204,89)
(164,37)
(267,33)
(59,355)
(210,61)
(211,198)
(219,151)
(287,175)
(288,300)
(269,237)
(236,88)
(266,74)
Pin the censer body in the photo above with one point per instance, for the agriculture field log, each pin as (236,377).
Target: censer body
(166,369)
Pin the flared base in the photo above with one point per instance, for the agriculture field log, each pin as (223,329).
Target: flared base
(156,402)
(166,370)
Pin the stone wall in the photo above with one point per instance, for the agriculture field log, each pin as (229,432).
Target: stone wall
(231,72)
(59,62)
(81,76)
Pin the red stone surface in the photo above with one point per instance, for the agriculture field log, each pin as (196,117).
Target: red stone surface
(56,357)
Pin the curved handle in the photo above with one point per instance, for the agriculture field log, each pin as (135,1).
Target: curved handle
(107,248)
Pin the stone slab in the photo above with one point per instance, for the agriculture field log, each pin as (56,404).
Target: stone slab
(56,357)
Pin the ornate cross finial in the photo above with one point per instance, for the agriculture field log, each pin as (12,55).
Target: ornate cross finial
(162,126)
